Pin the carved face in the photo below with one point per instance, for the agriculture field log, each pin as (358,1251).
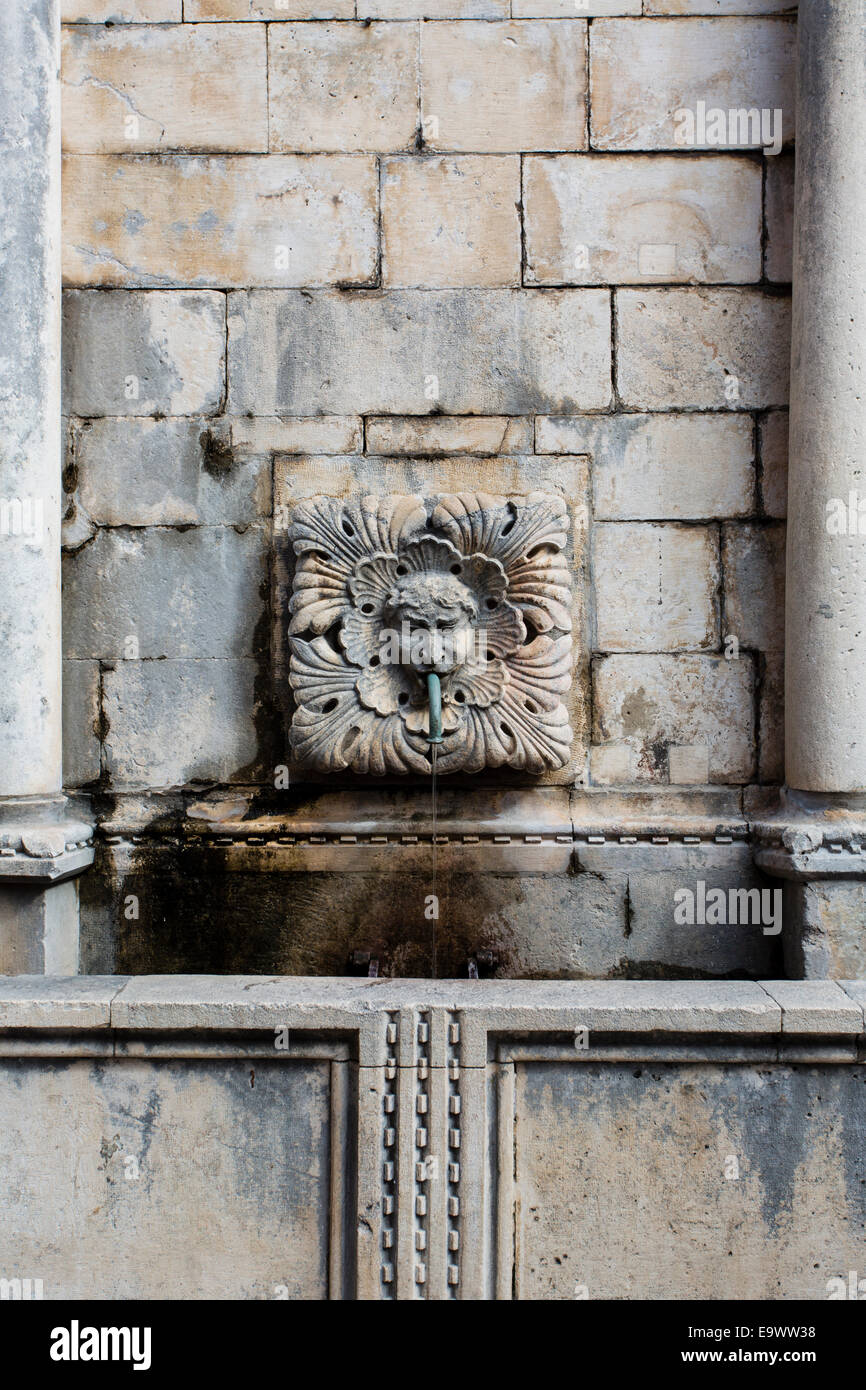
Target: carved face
(386,590)
(440,614)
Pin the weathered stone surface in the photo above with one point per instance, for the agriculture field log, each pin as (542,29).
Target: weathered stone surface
(451,221)
(773,434)
(40,930)
(824,932)
(652,701)
(81,754)
(268,9)
(451,435)
(567,9)
(610,763)
(718,7)
(136,472)
(491,352)
(173,722)
(268,220)
(184,88)
(778,258)
(343,87)
(433,9)
(321,434)
(138,354)
(689,764)
(32,1001)
(123,11)
(624,219)
(656,587)
(658,467)
(815,1006)
(642,74)
(711,349)
(531,74)
(188,593)
(754,568)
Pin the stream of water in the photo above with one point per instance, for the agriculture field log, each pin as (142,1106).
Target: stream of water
(434,920)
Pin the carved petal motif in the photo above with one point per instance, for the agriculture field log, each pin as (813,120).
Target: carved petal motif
(478,683)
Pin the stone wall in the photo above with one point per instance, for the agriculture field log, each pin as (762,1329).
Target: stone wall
(434,245)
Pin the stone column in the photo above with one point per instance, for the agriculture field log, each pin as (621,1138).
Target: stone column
(818,840)
(39,847)
(825,714)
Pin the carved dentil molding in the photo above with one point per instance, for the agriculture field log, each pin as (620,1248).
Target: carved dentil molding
(387,589)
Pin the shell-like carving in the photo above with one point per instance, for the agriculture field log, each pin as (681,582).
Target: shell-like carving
(480,592)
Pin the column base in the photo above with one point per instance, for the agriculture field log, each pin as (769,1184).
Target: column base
(818,846)
(41,854)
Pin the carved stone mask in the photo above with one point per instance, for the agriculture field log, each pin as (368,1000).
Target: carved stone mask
(384,594)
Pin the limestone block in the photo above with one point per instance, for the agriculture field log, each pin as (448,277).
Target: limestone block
(568,9)
(771,717)
(433,9)
(709,348)
(343,87)
(824,936)
(656,587)
(653,701)
(502,87)
(773,435)
(321,434)
(268,220)
(718,7)
(175,88)
(611,763)
(158,593)
(39,930)
(780,218)
(643,73)
(122,11)
(135,472)
(435,435)
(172,722)
(754,568)
(32,1001)
(81,753)
(139,354)
(268,9)
(451,221)
(659,467)
(815,1006)
(624,219)
(485,351)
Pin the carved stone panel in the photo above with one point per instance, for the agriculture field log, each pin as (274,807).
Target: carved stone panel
(472,587)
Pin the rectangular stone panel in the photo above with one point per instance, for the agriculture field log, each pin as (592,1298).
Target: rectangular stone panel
(81,751)
(568,9)
(626,1187)
(718,7)
(660,467)
(142,354)
(626,219)
(773,435)
(643,73)
(156,593)
(173,722)
(158,1147)
(501,87)
(257,220)
(485,351)
(778,256)
(343,87)
(433,9)
(653,701)
(451,221)
(712,349)
(656,587)
(173,88)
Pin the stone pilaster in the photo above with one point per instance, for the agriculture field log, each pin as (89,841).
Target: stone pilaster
(40,850)
(818,842)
